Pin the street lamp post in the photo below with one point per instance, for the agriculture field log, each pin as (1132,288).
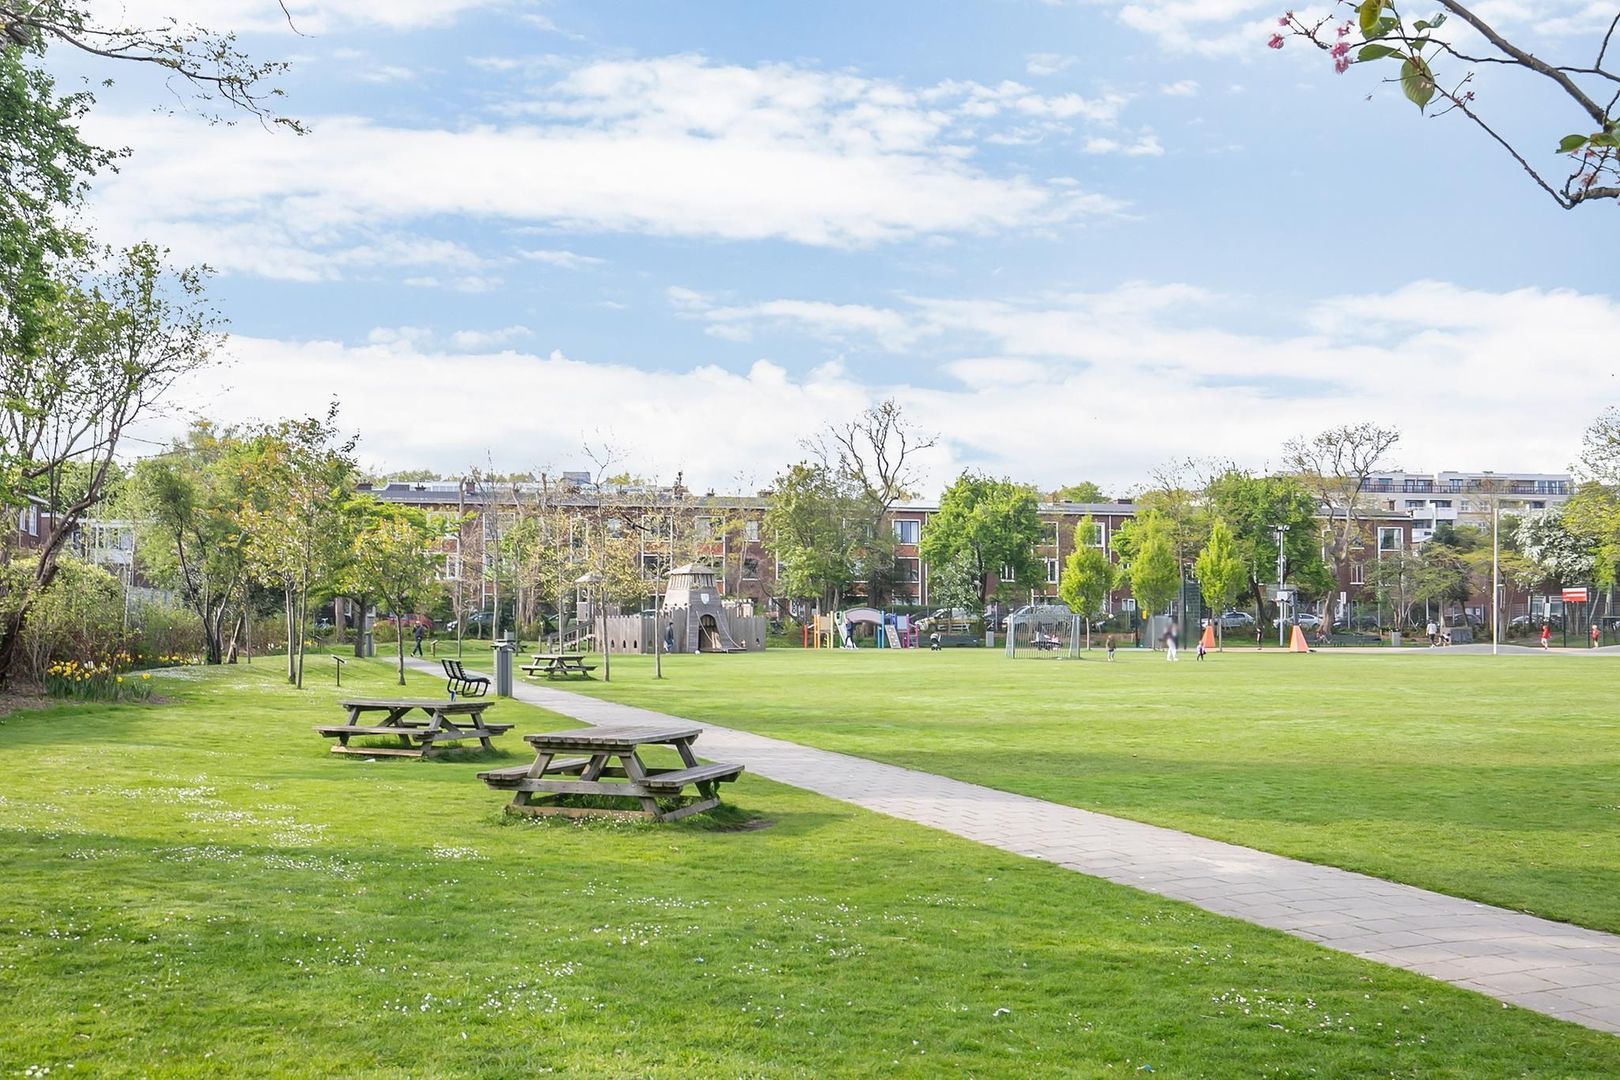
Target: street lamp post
(591,580)
(1282,631)
(1496,574)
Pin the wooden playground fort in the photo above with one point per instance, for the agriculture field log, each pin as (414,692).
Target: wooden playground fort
(693,619)
(889,630)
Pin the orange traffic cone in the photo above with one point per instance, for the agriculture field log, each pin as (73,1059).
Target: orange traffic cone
(1297,642)
(1209,635)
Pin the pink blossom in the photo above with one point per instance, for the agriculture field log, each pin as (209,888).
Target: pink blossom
(1344,29)
(1276,41)
(1283,21)
(1342,64)
(1339,50)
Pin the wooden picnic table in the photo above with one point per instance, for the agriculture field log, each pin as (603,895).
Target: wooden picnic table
(447,721)
(595,750)
(552,665)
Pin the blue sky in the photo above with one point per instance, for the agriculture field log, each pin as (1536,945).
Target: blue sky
(1076,239)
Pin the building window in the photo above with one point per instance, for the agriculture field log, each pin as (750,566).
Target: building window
(1358,574)
(1536,504)
(1414,504)
(655,565)
(908,570)
(1099,535)
(450,569)
(613,525)
(1389,539)
(750,569)
(702,528)
(1443,504)
(907,531)
(1006,574)
(1051,571)
(751,531)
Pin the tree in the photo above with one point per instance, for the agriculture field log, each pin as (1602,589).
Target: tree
(1088,575)
(209,63)
(1253,507)
(994,525)
(298,536)
(1153,572)
(1417,49)
(1083,492)
(1336,466)
(875,453)
(815,526)
(393,561)
(952,585)
(1220,572)
(1563,557)
(113,342)
(190,501)
(1395,578)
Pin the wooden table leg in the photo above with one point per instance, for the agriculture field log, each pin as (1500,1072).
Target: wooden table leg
(542,761)
(636,772)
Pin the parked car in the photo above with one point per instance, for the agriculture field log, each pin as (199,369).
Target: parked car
(1304,620)
(1236,620)
(478,622)
(946,620)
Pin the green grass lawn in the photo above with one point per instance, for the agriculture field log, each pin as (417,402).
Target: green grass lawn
(197,888)
(1496,778)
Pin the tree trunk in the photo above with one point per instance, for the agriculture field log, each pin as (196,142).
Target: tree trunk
(399,639)
(303,614)
(289,609)
(10,634)
(236,637)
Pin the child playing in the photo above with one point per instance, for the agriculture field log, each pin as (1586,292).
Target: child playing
(1109,645)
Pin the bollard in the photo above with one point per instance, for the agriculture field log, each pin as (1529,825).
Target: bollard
(503,666)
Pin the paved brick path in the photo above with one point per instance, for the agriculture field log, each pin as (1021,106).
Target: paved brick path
(1550,967)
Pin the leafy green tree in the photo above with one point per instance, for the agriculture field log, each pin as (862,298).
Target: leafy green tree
(116,336)
(1154,574)
(394,561)
(1252,507)
(1220,572)
(298,532)
(189,501)
(816,527)
(1089,575)
(991,524)
(1083,492)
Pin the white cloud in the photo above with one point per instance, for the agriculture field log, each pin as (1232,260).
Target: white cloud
(308,16)
(892,330)
(1145,145)
(673,147)
(1117,381)
(474,340)
(562,260)
(1180,88)
(1046,63)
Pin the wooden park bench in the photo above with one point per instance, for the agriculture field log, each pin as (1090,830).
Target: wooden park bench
(459,682)
(552,665)
(447,722)
(633,782)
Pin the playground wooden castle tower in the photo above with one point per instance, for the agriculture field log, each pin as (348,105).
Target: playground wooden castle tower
(692,605)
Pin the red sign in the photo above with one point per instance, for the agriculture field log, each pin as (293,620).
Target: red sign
(1575,596)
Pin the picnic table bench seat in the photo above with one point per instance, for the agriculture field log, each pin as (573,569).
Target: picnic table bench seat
(675,779)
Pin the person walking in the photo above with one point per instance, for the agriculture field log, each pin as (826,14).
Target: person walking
(1109,645)
(417,634)
(1170,643)
(1434,634)
(1595,635)
(1546,636)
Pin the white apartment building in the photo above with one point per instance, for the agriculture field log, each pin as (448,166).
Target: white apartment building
(1464,497)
